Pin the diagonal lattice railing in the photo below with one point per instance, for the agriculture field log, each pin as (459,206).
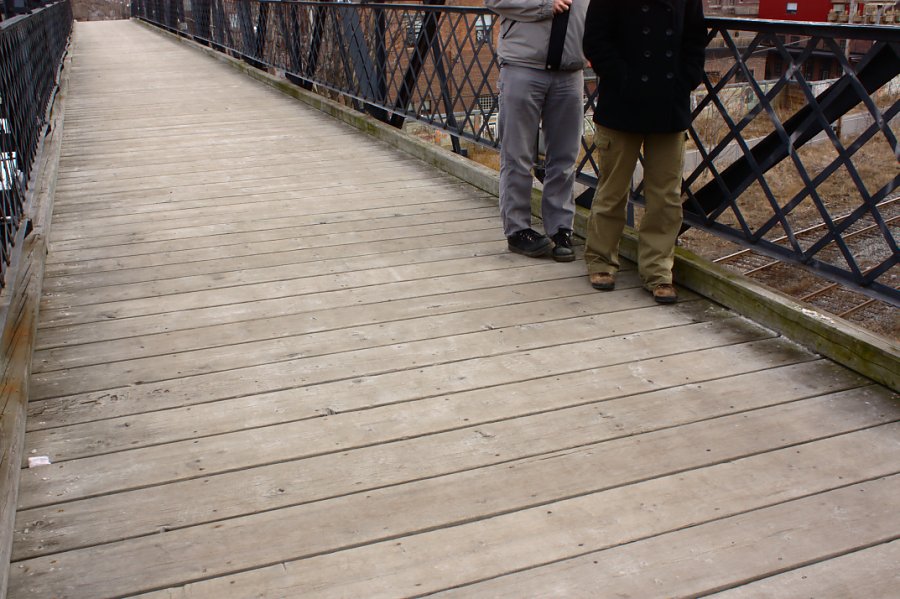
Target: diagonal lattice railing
(431,63)
(793,148)
(31,51)
(798,185)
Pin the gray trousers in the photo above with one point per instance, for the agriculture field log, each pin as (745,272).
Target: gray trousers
(528,98)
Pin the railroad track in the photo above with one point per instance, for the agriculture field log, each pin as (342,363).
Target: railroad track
(861,238)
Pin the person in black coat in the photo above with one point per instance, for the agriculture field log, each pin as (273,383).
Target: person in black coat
(648,56)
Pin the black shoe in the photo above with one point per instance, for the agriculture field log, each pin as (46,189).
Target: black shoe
(529,243)
(562,246)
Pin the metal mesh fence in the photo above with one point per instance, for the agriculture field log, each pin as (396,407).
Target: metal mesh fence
(31,50)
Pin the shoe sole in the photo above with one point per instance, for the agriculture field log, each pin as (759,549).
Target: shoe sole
(532,254)
(567,258)
(662,299)
(604,286)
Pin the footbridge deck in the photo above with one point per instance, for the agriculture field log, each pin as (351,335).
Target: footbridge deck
(278,358)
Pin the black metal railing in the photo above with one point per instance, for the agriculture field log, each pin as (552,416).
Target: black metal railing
(12,8)
(792,149)
(31,51)
(801,159)
(428,62)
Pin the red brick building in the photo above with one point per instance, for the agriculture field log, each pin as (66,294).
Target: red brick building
(866,11)
(822,65)
(795,10)
(731,8)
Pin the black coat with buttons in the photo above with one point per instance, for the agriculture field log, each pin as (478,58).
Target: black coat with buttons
(648,56)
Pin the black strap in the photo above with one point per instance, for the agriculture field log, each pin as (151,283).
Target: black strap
(557,40)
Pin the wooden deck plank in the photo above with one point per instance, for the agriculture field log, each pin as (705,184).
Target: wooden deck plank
(109,329)
(325,194)
(317,321)
(439,232)
(212,418)
(376,384)
(699,560)
(101,153)
(376,378)
(286,189)
(870,572)
(80,293)
(320,160)
(620,568)
(105,435)
(310,256)
(531,326)
(383,170)
(121,308)
(563,529)
(186,158)
(314,200)
(668,411)
(424,563)
(345,236)
(408,321)
(278,359)
(290,215)
(298,353)
(279,202)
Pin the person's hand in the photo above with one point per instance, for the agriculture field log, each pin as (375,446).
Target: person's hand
(561,6)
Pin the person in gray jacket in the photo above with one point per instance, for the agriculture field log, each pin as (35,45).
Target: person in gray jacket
(541,86)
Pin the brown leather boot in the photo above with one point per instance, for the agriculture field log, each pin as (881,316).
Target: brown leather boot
(665,293)
(603,281)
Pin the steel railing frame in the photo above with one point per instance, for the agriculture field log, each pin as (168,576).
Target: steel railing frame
(12,8)
(32,47)
(877,66)
(437,65)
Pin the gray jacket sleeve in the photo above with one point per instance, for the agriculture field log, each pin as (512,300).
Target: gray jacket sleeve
(522,10)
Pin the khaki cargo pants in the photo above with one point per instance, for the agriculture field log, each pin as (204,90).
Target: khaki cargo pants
(663,164)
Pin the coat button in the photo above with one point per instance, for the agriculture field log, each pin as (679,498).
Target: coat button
(670,75)
(645,31)
(646,53)
(645,8)
(669,31)
(668,54)
(645,78)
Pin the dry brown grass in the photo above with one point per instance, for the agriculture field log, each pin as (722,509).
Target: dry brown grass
(484,156)
(874,164)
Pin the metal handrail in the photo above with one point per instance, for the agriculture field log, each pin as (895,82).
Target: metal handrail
(756,121)
(31,52)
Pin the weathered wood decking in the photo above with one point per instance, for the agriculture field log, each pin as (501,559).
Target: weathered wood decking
(279,359)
